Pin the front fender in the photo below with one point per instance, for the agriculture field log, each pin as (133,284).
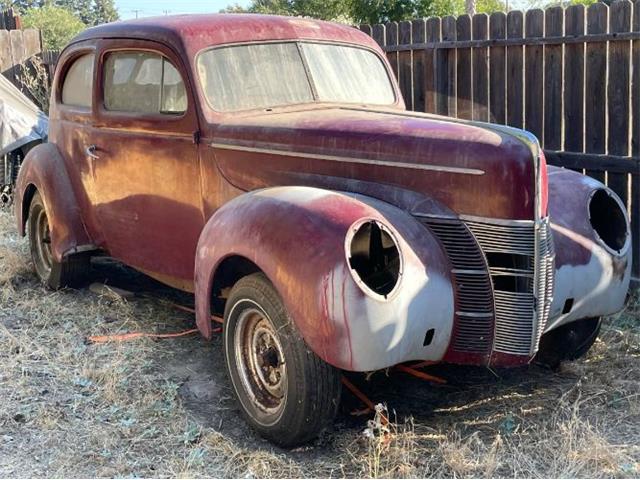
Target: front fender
(44,170)
(590,279)
(296,236)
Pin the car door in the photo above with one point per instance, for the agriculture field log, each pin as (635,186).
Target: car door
(146,160)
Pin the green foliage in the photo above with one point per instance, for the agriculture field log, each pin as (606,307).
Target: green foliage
(90,12)
(490,6)
(366,11)
(322,9)
(58,25)
(104,11)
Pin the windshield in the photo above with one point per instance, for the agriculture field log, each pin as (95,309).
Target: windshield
(275,74)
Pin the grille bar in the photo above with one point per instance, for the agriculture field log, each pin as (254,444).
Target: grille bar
(474,295)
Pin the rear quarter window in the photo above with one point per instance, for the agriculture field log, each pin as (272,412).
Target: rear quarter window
(78,82)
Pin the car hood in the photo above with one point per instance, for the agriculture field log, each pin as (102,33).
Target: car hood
(472,168)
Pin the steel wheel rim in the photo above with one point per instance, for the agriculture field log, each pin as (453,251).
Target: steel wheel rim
(260,361)
(44,259)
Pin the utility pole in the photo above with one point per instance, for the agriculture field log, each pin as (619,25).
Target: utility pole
(136,12)
(470,7)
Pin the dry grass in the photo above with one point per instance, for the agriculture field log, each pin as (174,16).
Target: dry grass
(164,409)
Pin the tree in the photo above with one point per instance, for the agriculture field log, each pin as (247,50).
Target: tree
(104,11)
(58,25)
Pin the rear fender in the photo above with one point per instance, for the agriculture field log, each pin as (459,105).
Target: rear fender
(43,170)
(297,237)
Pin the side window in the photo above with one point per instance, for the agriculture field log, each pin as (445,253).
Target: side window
(143,82)
(78,82)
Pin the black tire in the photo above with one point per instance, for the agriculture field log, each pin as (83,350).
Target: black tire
(568,342)
(71,272)
(290,402)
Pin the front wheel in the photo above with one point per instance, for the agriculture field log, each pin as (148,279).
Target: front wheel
(71,271)
(568,342)
(285,391)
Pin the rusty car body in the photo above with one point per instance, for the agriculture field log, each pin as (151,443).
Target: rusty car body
(376,235)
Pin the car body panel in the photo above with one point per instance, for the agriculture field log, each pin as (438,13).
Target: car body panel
(344,325)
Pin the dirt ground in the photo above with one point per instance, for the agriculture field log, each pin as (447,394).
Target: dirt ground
(164,408)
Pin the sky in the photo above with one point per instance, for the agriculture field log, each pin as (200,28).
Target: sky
(148,8)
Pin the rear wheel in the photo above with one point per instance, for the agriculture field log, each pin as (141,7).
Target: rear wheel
(71,271)
(285,391)
(568,342)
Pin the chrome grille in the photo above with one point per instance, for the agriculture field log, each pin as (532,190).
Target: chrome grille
(520,258)
(474,298)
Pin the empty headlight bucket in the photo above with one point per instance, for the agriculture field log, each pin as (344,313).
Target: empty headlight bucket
(609,220)
(374,258)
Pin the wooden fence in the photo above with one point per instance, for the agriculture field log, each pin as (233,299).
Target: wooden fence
(9,20)
(16,46)
(569,75)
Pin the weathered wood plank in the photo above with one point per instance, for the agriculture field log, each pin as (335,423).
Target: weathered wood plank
(463,65)
(366,29)
(592,161)
(574,81)
(445,71)
(378,32)
(596,81)
(515,71)
(405,67)
(618,94)
(432,71)
(420,78)
(498,69)
(32,45)
(534,78)
(5,54)
(480,77)
(392,39)
(553,80)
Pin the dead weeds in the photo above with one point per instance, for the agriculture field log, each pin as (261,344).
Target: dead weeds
(163,408)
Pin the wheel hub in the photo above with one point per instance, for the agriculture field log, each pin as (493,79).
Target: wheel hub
(260,360)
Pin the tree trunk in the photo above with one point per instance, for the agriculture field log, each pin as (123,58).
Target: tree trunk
(470,7)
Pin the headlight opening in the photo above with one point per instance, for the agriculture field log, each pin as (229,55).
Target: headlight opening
(374,257)
(608,219)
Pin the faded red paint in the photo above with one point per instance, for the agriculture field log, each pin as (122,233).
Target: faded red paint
(165,190)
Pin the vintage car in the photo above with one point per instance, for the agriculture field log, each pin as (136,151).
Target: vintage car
(269,166)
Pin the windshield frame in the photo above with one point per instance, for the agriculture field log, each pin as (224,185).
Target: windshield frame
(315,101)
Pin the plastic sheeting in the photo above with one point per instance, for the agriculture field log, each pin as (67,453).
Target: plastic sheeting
(21,122)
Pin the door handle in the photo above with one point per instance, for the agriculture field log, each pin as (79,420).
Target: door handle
(90,151)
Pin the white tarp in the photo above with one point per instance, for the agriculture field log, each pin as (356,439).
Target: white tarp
(21,121)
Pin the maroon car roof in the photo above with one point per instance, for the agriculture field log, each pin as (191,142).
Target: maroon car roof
(198,31)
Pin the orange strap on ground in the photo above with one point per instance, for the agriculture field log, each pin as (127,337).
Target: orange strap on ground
(184,308)
(362,397)
(125,337)
(418,374)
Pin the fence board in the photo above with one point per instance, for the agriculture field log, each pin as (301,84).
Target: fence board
(405,66)
(574,81)
(480,70)
(515,71)
(391,30)
(497,69)
(534,75)
(5,53)
(596,84)
(419,81)
(618,94)
(464,69)
(553,80)
(445,71)
(434,76)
